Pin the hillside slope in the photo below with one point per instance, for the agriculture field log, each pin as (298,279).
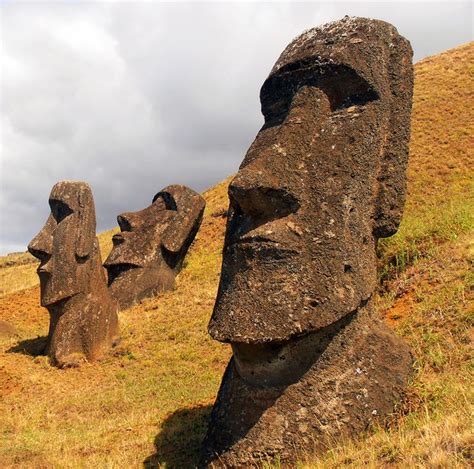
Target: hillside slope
(149,401)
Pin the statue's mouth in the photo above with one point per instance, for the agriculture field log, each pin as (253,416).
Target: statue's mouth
(262,246)
(255,240)
(43,271)
(274,363)
(117,264)
(118,270)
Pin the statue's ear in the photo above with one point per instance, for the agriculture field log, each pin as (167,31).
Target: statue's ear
(86,223)
(393,164)
(180,233)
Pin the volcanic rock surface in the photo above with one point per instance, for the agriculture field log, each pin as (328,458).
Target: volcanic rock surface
(83,316)
(323,180)
(151,247)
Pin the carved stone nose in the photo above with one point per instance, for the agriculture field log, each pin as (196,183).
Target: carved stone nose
(40,254)
(255,194)
(42,244)
(128,221)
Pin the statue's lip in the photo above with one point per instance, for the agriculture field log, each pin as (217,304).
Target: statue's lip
(257,241)
(123,264)
(254,240)
(43,268)
(119,269)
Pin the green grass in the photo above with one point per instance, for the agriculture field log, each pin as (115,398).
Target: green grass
(423,229)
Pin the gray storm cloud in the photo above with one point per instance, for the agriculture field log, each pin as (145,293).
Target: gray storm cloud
(134,96)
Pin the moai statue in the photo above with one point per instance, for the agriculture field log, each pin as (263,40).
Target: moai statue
(83,316)
(150,249)
(323,180)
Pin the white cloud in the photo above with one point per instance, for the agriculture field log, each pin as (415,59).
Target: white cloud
(134,96)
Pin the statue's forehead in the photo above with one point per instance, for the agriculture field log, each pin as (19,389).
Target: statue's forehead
(338,41)
(361,44)
(154,213)
(69,193)
(178,197)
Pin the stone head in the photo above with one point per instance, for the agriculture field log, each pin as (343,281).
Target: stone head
(152,243)
(66,242)
(323,180)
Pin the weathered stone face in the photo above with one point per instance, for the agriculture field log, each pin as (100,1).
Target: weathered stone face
(64,242)
(323,180)
(152,244)
(73,284)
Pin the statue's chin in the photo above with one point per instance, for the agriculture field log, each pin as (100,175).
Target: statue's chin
(274,364)
(122,272)
(52,298)
(130,285)
(264,365)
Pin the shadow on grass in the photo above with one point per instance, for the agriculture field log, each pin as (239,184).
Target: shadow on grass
(33,347)
(178,443)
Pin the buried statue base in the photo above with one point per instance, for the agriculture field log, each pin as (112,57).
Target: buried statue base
(85,326)
(359,370)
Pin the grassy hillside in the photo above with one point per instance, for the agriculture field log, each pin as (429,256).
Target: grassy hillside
(149,401)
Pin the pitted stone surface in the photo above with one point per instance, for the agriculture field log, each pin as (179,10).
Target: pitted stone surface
(323,180)
(150,249)
(83,316)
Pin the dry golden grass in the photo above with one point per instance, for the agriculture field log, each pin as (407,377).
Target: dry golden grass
(149,401)
(18,277)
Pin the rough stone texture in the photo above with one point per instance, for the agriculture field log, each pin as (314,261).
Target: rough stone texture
(323,180)
(83,316)
(149,251)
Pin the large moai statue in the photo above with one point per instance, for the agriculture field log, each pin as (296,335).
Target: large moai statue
(150,249)
(83,316)
(323,180)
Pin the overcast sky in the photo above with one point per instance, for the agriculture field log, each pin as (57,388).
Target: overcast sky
(134,96)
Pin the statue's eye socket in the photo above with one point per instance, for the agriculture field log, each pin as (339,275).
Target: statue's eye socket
(168,199)
(343,86)
(60,210)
